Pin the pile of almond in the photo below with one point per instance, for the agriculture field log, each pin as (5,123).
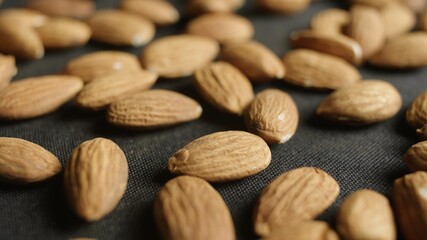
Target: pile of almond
(218,51)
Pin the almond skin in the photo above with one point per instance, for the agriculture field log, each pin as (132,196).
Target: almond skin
(95,178)
(416,157)
(397,19)
(22,161)
(7,70)
(153,109)
(272,115)
(222,157)
(181,207)
(416,115)
(330,21)
(284,6)
(22,16)
(63,8)
(312,230)
(297,195)
(197,7)
(159,12)
(224,87)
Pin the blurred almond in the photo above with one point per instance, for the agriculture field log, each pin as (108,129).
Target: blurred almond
(211,6)
(372,3)
(304,230)
(159,12)
(415,5)
(423,21)
(330,21)
(416,115)
(397,19)
(284,6)
(7,70)
(22,16)
(416,157)
(63,8)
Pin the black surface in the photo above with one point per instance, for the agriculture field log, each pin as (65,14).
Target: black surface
(368,157)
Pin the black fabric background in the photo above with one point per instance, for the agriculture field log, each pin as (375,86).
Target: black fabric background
(367,157)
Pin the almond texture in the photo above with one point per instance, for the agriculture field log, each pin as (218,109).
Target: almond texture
(211,6)
(63,8)
(284,6)
(159,12)
(304,230)
(416,115)
(7,70)
(397,19)
(22,16)
(416,157)
(330,21)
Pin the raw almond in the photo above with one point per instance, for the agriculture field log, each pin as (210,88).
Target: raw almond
(366,214)
(423,21)
(64,33)
(255,60)
(189,208)
(222,157)
(397,19)
(223,27)
(210,6)
(416,115)
(410,200)
(95,178)
(416,157)
(305,230)
(330,21)
(105,90)
(422,133)
(153,109)
(405,51)
(37,96)
(63,8)
(272,115)
(22,16)
(311,69)
(22,161)
(101,63)
(337,45)
(120,28)
(297,195)
(159,12)
(7,70)
(373,3)
(415,5)
(362,103)
(224,87)
(179,55)
(284,6)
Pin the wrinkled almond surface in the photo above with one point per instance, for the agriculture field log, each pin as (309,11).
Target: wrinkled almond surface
(416,157)
(397,19)
(304,230)
(330,21)
(284,6)
(63,8)
(7,70)
(416,115)
(159,12)
(22,16)
(211,6)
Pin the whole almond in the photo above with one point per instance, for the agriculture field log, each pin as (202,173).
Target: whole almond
(337,45)
(63,8)
(272,115)
(210,6)
(223,27)
(372,3)
(405,51)
(7,70)
(105,90)
(305,230)
(410,200)
(416,157)
(222,157)
(95,178)
(311,69)
(153,109)
(179,55)
(416,115)
(255,60)
(284,6)
(330,21)
(397,19)
(423,21)
(224,87)
(121,28)
(37,96)
(101,63)
(22,161)
(362,103)
(22,16)
(297,195)
(189,208)
(422,133)
(159,12)
(64,33)
(367,215)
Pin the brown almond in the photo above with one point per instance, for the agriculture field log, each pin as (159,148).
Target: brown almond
(22,16)
(405,51)
(37,96)
(97,64)
(181,212)
(159,12)
(336,45)
(63,8)
(105,90)
(272,115)
(64,33)
(210,6)
(362,103)
(179,55)
(330,21)
(416,115)
(7,70)
(366,214)
(224,87)
(153,109)
(415,5)
(95,178)
(422,133)
(255,60)
(416,157)
(305,230)
(284,6)
(22,161)
(297,195)
(222,157)
(311,69)
(223,27)
(423,21)
(372,3)
(397,19)
(121,28)
(410,200)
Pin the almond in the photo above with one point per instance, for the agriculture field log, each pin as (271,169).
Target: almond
(159,12)
(101,63)
(120,28)
(297,195)
(189,208)
(310,69)
(415,5)
(63,8)
(405,51)
(422,133)
(95,178)
(105,90)
(37,96)
(423,21)
(366,214)
(284,6)
(224,87)
(416,115)
(222,157)
(272,115)
(362,103)
(209,6)
(373,3)
(7,70)
(305,230)
(416,157)
(255,60)
(410,200)
(179,55)
(223,27)
(22,161)
(22,16)
(153,109)
(397,19)
(330,21)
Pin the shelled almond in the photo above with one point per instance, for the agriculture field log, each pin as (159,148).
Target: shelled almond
(159,12)
(23,16)
(63,8)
